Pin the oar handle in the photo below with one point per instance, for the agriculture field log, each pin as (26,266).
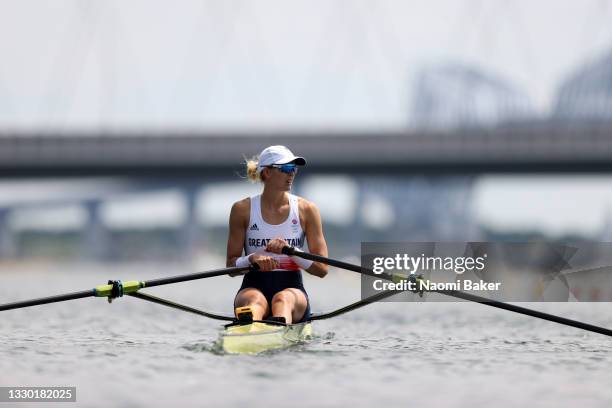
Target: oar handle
(292,251)
(288,250)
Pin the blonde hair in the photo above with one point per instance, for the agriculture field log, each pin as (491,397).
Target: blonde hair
(251,169)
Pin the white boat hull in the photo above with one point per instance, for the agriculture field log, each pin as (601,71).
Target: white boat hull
(258,337)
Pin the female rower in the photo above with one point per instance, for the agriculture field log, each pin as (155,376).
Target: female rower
(261,226)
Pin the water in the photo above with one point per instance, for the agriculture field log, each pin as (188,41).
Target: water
(133,353)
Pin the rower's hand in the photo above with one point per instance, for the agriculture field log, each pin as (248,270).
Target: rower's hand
(276,246)
(265,263)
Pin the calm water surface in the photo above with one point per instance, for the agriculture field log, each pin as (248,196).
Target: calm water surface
(133,353)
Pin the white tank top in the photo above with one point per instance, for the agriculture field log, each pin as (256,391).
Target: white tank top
(259,232)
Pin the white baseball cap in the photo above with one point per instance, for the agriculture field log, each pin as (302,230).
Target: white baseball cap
(278,155)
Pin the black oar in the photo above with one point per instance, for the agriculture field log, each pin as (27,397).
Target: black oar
(184,308)
(117,288)
(369,300)
(453,293)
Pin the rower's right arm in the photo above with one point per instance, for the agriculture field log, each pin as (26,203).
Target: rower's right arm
(239,218)
(238,223)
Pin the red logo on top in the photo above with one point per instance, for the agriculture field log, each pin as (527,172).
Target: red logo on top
(287,264)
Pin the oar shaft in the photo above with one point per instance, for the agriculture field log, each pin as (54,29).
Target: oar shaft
(50,299)
(528,312)
(372,299)
(184,308)
(455,293)
(198,275)
(128,287)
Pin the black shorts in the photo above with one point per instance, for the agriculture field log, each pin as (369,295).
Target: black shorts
(272,282)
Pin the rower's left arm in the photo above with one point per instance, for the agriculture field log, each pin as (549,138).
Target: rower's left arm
(314,235)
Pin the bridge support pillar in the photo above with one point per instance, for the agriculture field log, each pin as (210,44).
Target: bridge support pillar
(96,237)
(424,208)
(7,238)
(190,236)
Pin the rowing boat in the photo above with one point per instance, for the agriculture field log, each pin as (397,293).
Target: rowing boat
(258,337)
(243,336)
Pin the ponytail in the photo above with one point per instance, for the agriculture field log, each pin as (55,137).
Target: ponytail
(251,169)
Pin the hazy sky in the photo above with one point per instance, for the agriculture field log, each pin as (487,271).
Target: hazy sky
(555,205)
(75,63)
(199,64)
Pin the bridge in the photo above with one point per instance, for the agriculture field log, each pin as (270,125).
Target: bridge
(545,147)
